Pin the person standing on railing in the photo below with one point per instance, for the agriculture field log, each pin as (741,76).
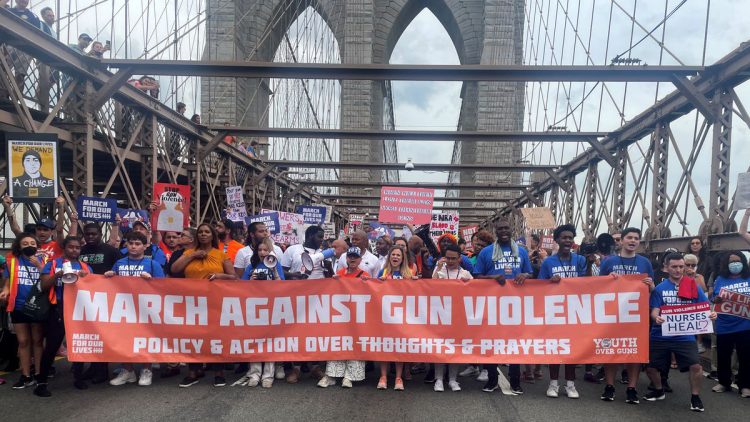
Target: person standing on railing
(21,61)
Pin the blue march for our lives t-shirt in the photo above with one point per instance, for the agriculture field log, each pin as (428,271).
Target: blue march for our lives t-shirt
(28,275)
(575,266)
(134,267)
(509,266)
(261,268)
(396,275)
(47,270)
(625,266)
(153,251)
(666,294)
(726,324)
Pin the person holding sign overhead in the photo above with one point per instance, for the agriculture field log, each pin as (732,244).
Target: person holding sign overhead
(732,332)
(676,290)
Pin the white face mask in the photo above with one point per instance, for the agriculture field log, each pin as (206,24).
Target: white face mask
(735,267)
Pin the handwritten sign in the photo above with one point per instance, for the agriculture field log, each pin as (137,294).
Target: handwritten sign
(96,209)
(733,303)
(538,218)
(291,228)
(742,197)
(406,205)
(236,210)
(681,320)
(443,222)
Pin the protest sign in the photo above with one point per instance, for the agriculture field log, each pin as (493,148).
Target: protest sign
(379,230)
(742,196)
(443,222)
(270,219)
(236,210)
(96,209)
(291,228)
(405,205)
(312,214)
(680,320)
(467,232)
(129,216)
(32,167)
(547,242)
(538,218)
(733,303)
(329,231)
(128,319)
(355,223)
(172,207)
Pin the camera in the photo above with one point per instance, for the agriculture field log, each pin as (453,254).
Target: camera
(261,275)
(588,248)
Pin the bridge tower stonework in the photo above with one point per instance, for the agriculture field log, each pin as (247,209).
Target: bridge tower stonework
(483,32)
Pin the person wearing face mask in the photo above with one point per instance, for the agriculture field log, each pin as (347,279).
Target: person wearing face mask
(20,279)
(732,332)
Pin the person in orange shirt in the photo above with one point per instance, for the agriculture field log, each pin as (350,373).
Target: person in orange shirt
(229,246)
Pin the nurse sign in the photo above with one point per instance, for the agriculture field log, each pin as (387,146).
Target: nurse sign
(172,208)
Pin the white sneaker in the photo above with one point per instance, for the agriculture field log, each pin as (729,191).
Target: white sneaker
(701,348)
(454,386)
(242,382)
(346,383)
(267,383)
(718,388)
(571,392)
(439,385)
(470,371)
(326,382)
(280,373)
(124,377)
(146,377)
(253,381)
(552,391)
(745,393)
(483,376)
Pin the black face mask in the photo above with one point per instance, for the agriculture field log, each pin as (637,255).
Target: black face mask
(29,251)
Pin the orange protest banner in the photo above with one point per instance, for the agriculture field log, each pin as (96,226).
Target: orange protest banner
(579,320)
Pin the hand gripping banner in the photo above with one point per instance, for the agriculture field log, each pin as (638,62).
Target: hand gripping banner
(579,320)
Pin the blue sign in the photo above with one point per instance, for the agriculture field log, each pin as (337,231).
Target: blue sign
(379,230)
(312,214)
(270,219)
(96,209)
(129,216)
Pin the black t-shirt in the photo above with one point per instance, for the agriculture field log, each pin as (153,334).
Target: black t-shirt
(101,257)
(172,259)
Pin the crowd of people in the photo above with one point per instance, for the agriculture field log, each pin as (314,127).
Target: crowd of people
(229,251)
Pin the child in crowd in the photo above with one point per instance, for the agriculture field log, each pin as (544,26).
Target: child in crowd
(136,264)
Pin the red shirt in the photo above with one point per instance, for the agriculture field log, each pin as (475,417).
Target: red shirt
(51,250)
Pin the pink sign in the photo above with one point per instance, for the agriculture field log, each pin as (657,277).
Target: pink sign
(406,205)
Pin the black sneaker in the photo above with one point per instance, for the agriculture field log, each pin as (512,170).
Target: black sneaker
(624,378)
(219,381)
(600,374)
(80,385)
(188,382)
(490,386)
(696,405)
(665,386)
(655,395)
(609,393)
(631,396)
(516,388)
(52,372)
(24,382)
(713,375)
(41,390)
(429,378)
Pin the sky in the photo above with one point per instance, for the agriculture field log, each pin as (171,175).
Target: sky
(435,105)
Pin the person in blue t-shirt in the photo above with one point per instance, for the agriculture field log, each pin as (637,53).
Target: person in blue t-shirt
(564,264)
(684,348)
(501,261)
(257,270)
(151,251)
(732,332)
(625,263)
(52,278)
(135,264)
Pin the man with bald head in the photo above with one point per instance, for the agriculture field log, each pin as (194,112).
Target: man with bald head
(369,260)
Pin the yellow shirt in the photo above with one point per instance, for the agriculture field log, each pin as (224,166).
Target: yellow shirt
(201,268)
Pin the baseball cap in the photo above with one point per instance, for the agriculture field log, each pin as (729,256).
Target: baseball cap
(354,251)
(142,223)
(45,222)
(85,36)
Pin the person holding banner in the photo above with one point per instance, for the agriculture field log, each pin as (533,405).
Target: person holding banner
(675,290)
(732,331)
(627,262)
(65,269)
(135,264)
(45,227)
(501,261)
(20,279)
(369,262)
(564,264)
(256,232)
(347,370)
(153,252)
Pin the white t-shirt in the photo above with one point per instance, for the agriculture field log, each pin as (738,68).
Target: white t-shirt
(242,259)
(369,263)
(292,259)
